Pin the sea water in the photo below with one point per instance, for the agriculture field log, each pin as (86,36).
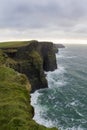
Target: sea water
(64,103)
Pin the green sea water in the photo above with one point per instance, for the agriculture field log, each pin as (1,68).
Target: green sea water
(64,103)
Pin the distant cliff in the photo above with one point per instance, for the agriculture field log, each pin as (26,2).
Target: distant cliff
(57,46)
(32,60)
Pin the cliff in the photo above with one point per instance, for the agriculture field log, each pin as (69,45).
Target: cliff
(33,59)
(16,113)
(57,46)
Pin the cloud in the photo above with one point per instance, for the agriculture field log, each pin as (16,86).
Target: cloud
(52,18)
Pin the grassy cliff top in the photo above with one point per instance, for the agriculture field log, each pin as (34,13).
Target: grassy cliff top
(15,44)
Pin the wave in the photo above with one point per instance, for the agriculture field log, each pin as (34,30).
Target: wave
(60,69)
(66,83)
(79,113)
(37,108)
(39,111)
(56,77)
(73,128)
(74,103)
(65,56)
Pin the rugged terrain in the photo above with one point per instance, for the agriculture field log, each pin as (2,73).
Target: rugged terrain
(22,70)
(33,59)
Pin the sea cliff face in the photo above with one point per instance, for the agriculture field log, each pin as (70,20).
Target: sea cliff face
(16,113)
(33,60)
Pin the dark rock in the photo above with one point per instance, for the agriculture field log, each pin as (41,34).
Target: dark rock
(57,46)
(33,60)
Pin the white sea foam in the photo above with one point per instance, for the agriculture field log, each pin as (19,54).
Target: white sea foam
(60,83)
(73,128)
(71,57)
(56,78)
(75,103)
(39,110)
(60,69)
(52,78)
(59,56)
(65,56)
(79,113)
(34,97)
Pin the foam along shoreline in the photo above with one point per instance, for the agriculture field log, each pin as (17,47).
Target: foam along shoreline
(68,101)
(57,82)
(39,111)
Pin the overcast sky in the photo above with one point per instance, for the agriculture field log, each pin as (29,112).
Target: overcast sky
(53,20)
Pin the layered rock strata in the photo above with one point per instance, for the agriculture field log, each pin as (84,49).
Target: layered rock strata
(33,60)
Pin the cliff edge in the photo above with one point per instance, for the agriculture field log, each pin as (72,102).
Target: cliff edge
(32,60)
(16,113)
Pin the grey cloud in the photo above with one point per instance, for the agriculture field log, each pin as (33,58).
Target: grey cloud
(65,16)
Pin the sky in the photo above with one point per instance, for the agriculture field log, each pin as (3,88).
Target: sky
(60,21)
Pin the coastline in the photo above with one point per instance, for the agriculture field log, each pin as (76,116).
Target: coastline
(16,120)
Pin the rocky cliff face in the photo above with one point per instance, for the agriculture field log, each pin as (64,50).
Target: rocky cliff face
(57,46)
(16,112)
(33,60)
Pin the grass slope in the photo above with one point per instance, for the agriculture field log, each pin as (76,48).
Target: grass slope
(14,44)
(15,110)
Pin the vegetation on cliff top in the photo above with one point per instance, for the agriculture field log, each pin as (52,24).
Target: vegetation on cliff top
(15,43)
(15,110)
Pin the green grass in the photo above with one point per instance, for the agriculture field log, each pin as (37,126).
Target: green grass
(14,44)
(15,110)
(14,99)
(3,58)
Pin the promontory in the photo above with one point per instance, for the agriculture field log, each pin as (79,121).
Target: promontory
(22,66)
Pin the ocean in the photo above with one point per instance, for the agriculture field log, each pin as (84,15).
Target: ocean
(64,103)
